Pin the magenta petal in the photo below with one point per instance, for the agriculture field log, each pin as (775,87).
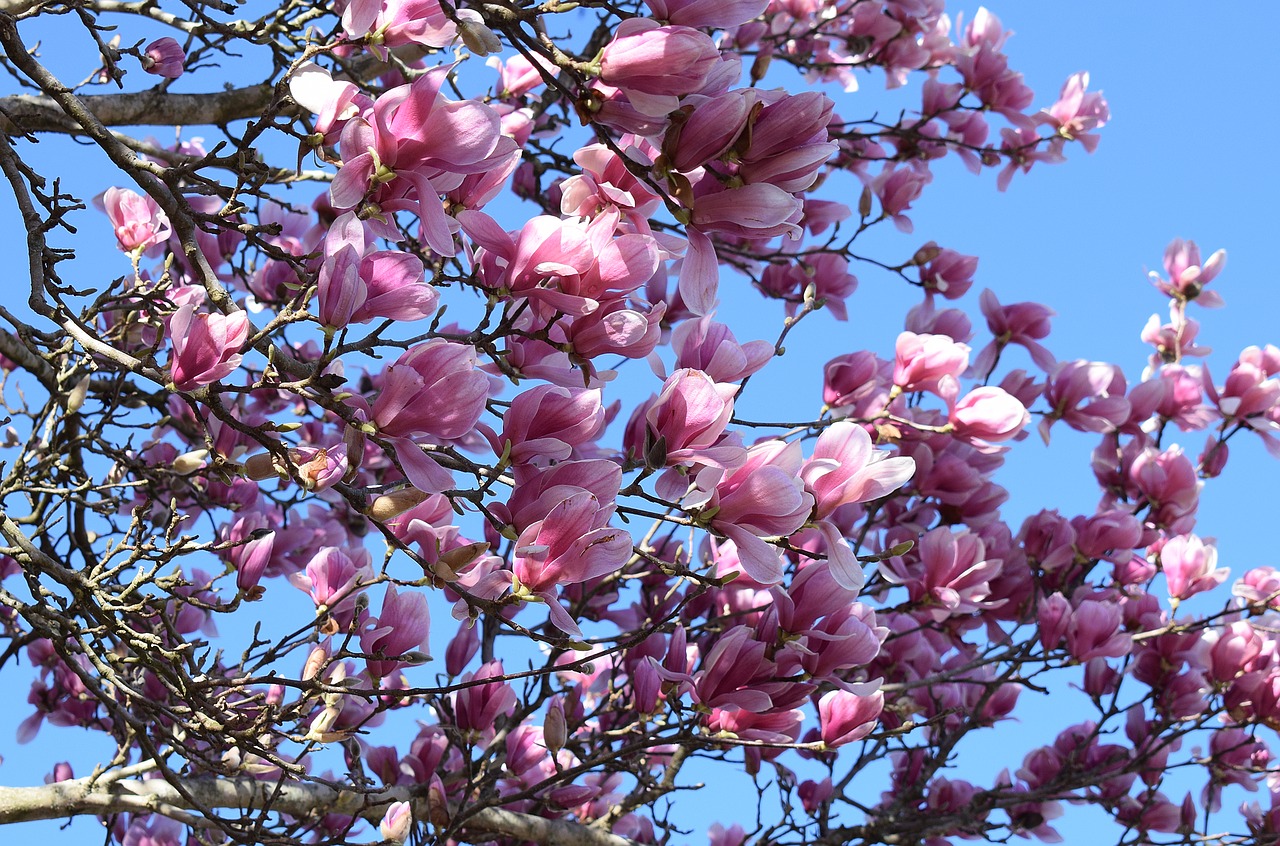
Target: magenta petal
(699,274)
(761,562)
(844,565)
(420,469)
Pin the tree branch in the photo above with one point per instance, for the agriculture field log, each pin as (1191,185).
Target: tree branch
(33,113)
(84,796)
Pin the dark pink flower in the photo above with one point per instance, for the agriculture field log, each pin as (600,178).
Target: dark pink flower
(206,347)
(403,624)
(434,389)
(164,57)
(846,717)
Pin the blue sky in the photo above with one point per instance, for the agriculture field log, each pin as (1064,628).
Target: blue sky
(1188,153)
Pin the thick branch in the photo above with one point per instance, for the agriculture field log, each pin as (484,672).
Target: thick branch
(82,796)
(31,113)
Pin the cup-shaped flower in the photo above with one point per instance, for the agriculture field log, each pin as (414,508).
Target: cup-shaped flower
(206,347)
(846,717)
(921,360)
(433,389)
(663,62)
(138,221)
(1189,566)
(402,626)
(164,57)
(846,468)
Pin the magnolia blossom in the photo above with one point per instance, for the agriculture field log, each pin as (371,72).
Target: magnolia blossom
(164,57)
(137,219)
(206,347)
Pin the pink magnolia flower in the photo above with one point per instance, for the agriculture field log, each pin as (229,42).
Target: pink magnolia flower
(403,624)
(573,543)
(922,360)
(137,220)
(412,145)
(567,265)
(948,273)
(1168,481)
(655,65)
(846,468)
(897,188)
(518,76)
(729,671)
(846,717)
(686,423)
(763,497)
(1094,631)
(154,830)
(334,579)
(1259,586)
(477,707)
(546,423)
(710,130)
(851,379)
(988,415)
(607,181)
(950,573)
(616,328)
(206,347)
(757,211)
(1188,565)
(357,284)
(1053,617)
(433,389)
(716,14)
(391,23)
(710,347)
(251,550)
(1187,275)
(1088,395)
(397,822)
(164,57)
(1024,324)
(1078,112)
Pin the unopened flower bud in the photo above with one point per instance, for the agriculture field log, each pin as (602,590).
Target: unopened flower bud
(397,822)
(554,729)
(76,396)
(260,466)
(315,661)
(473,32)
(394,504)
(190,462)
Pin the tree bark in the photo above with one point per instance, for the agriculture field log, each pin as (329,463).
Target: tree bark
(84,797)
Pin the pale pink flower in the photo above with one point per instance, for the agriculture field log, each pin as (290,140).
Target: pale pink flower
(656,64)
(433,389)
(137,220)
(1188,565)
(988,414)
(397,822)
(1187,275)
(922,360)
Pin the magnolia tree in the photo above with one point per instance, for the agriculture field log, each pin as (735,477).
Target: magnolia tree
(254,468)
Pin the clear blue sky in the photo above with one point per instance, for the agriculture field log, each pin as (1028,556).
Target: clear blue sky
(1188,153)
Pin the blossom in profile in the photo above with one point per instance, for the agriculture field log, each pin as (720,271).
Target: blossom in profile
(164,57)
(206,347)
(139,223)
